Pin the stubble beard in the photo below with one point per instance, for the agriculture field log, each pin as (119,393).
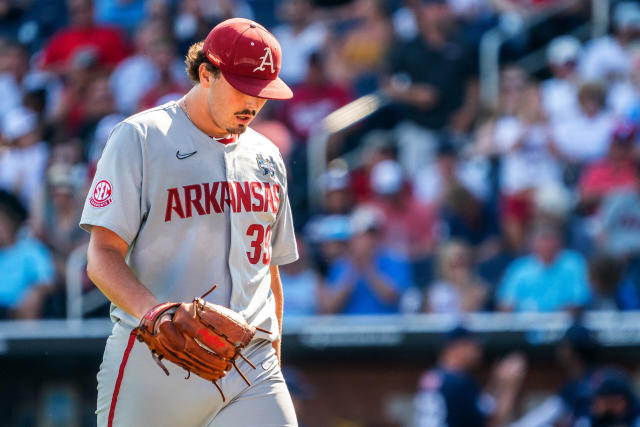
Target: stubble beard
(237,130)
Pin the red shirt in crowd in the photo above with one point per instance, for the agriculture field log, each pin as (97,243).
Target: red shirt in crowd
(603,177)
(108,42)
(310,104)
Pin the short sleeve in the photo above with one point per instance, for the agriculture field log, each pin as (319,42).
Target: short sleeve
(284,249)
(114,199)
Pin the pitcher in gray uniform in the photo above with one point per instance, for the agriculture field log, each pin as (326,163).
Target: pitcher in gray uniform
(187,195)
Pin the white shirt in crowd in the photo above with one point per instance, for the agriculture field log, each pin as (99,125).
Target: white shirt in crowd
(602,59)
(136,75)
(530,166)
(583,138)
(22,170)
(297,48)
(559,98)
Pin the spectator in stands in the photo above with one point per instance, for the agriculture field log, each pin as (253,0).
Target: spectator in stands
(610,288)
(361,51)
(18,80)
(620,219)
(434,74)
(549,279)
(616,172)
(432,80)
(329,238)
(314,98)
(458,289)
(560,92)
(300,36)
(24,158)
(26,268)
(434,184)
(449,395)
(55,221)
(576,354)
(106,44)
(301,285)
(606,58)
(613,401)
(524,149)
(138,73)
(584,137)
(126,15)
(14,65)
(369,279)
(374,147)
(409,227)
(468,219)
(167,87)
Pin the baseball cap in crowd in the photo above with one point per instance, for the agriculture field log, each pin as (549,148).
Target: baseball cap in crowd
(610,382)
(18,122)
(460,333)
(625,132)
(249,58)
(335,179)
(365,219)
(386,177)
(331,228)
(563,49)
(627,15)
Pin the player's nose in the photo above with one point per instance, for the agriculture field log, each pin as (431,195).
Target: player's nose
(253,103)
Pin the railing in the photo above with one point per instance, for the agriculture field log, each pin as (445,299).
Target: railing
(335,122)
(313,335)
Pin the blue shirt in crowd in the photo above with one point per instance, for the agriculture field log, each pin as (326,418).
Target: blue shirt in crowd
(23,265)
(393,267)
(529,285)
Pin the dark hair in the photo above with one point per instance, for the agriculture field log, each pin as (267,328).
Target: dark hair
(195,57)
(13,208)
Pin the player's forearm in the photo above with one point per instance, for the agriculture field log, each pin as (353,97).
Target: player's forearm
(110,273)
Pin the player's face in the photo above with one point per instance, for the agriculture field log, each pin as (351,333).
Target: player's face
(231,109)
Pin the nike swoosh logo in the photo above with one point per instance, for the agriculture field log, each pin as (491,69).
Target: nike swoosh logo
(184,156)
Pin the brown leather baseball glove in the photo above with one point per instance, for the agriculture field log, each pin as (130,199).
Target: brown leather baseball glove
(201,337)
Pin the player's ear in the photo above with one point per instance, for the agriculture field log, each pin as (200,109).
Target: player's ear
(206,77)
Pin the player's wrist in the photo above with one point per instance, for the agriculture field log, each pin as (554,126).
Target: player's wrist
(145,307)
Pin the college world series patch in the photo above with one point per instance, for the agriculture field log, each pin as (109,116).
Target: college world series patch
(101,195)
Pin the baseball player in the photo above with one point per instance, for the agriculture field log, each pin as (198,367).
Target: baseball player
(187,195)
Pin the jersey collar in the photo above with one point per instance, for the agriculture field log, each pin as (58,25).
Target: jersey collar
(229,139)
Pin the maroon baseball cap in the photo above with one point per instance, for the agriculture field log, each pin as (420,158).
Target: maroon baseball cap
(249,57)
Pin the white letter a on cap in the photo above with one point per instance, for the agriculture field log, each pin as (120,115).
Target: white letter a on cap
(267,59)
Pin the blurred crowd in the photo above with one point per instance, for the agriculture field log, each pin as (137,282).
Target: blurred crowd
(435,203)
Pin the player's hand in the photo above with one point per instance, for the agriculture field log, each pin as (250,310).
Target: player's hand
(510,371)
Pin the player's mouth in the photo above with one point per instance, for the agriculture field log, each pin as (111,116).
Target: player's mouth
(243,119)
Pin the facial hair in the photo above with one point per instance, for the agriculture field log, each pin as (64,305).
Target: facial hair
(241,127)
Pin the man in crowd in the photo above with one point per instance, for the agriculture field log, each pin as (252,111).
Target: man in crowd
(26,267)
(370,279)
(549,279)
(448,395)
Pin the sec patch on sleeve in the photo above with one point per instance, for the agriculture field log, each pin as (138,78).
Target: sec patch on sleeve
(101,194)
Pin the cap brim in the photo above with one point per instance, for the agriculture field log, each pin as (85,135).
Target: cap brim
(261,88)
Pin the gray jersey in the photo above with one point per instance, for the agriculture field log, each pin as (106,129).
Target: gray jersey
(195,211)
